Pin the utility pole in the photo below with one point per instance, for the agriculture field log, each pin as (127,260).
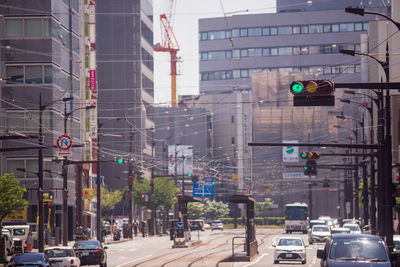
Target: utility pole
(130,183)
(98,204)
(40,170)
(152,191)
(356,183)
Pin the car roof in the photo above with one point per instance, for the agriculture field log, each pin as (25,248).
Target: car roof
(318,221)
(321,225)
(351,224)
(340,228)
(62,247)
(355,236)
(290,237)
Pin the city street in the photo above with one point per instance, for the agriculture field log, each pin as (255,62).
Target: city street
(214,248)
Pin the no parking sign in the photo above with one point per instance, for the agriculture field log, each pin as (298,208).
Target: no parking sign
(64,143)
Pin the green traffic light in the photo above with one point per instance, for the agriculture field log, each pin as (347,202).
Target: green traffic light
(309,182)
(213,183)
(120,160)
(297,88)
(189,175)
(305,168)
(303,155)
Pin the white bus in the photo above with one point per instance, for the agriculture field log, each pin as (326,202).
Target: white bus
(296,217)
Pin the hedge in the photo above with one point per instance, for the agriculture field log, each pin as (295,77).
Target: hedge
(257,220)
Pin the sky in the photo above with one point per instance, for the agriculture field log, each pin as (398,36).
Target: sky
(185,26)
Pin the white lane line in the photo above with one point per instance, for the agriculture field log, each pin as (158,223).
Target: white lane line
(262,255)
(132,249)
(126,263)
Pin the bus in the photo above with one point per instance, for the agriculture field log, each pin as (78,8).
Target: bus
(296,217)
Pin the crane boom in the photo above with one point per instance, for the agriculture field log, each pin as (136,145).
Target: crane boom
(169,44)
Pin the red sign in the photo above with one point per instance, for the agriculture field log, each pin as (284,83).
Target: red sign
(64,142)
(92,79)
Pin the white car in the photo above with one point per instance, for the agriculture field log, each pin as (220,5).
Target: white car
(290,249)
(9,241)
(62,257)
(354,228)
(319,233)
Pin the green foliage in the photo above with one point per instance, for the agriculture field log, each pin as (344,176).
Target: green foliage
(165,191)
(214,209)
(260,207)
(195,210)
(397,205)
(11,196)
(110,198)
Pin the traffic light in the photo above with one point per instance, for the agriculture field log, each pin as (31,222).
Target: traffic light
(195,178)
(310,168)
(310,155)
(120,160)
(51,197)
(313,93)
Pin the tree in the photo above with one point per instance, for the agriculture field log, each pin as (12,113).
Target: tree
(165,191)
(195,210)
(216,209)
(139,189)
(260,207)
(109,199)
(11,196)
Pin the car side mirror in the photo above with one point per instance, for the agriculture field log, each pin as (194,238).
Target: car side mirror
(393,256)
(274,245)
(105,247)
(320,254)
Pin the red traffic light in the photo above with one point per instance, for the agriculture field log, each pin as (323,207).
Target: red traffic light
(312,88)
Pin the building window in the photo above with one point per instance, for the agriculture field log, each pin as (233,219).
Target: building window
(29,74)
(27,121)
(30,166)
(243,32)
(33,74)
(233,140)
(274,31)
(233,119)
(14,74)
(266,52)
(255,32)
(28,27)
(265,31)
(284,30)
(296,30)
(327,28)
(14,28)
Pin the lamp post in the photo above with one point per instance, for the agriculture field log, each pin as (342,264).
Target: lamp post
(356,178)
(372,212)
(365,179)
(385,225)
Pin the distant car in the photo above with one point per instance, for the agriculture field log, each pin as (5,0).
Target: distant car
(196,225)
(354,228)
(290,249)
(340,230)
(316,222)
(91,252)
(359,250)
(9,241)
(62,257)
(351,221)
(29,259)
(217,225)
(319,233)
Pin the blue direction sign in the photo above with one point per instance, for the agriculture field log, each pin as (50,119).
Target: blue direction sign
(204,188)
(179,225)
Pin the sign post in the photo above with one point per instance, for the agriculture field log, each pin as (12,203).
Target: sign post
(64,143)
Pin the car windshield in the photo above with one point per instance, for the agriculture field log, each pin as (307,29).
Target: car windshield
(339,231)
(87,245)
(320,229)
(29,257)
(57,253)
(352,227)
(396,245)
(19,231)
(347,249)
(290,242)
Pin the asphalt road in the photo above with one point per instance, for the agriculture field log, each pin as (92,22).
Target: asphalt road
(214,248)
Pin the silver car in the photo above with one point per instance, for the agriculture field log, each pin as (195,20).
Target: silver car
(319,233)
(290,249)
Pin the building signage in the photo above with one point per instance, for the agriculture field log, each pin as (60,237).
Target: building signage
(180,160)
(291,175)
(290,153)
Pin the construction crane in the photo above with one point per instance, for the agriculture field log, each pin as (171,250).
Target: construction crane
(169,44)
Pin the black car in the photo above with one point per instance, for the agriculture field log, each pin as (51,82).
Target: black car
(29,259)
(91,252)
(354,250)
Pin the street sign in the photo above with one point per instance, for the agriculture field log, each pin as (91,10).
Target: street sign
(290,153)
(64,143)
(204,188)
(101,180)
(179,225)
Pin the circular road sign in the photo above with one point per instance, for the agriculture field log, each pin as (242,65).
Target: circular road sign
(64,142)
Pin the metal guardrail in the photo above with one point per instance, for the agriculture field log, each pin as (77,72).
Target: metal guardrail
(233,244)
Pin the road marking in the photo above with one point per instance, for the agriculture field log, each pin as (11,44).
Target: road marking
(126,263)
(133,249)
(262,255)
